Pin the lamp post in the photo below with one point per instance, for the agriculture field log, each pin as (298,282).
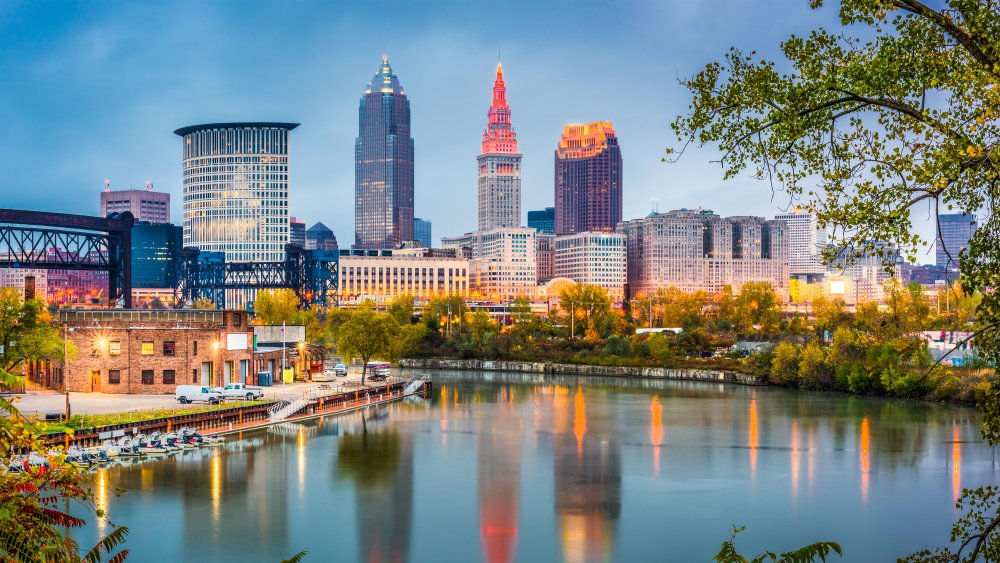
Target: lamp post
(66,331)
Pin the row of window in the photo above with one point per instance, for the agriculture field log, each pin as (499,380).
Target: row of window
(146,348)
(148,376)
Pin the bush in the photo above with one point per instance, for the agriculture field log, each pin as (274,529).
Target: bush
(784,364)
(617,346)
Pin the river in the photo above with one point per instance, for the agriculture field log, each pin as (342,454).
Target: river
(512,467)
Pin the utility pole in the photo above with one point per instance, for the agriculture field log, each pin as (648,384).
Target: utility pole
(572,320)
(283,361)
(66,368)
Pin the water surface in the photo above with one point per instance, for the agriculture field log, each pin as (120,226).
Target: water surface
(508,467)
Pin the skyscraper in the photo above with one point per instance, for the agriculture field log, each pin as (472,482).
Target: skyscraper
(297,232)
(236,189)
(145,205)
(588,179)
(806,240)
(543,220)
(320,237)
(383,165)
(956,230)
(499,165)
(422,232)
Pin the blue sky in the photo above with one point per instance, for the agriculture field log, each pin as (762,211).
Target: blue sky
(93,91)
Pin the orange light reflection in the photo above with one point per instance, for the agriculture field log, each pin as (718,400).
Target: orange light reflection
(656,431)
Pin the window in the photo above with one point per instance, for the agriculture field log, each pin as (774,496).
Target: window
(169,346)
(168,376)
(147,349)
(114,376)
(115,348)
(194,351)
(194,375)
(147,375)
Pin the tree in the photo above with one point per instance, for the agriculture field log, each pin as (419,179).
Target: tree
(785,364)
(402,308)
(204,303)
(367,335)
(812,552)
(861,129)
(276,306)
(813,368)
(32,516)
(757,307)
(587,303)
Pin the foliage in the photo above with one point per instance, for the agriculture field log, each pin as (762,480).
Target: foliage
(368,335)
(807,554)
(587,304)
(785,364)
(756,308)
(814,371)
(402,308)
(204,304)
(26,331)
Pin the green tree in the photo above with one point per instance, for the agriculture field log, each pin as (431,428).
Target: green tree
(860,127)
(814,371)
(26,333)
(402,308)
(829,313)
(785,363)
(757,308)
(368,335)
(276,306)
(586,303)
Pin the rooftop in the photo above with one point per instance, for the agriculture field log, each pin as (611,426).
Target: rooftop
(236,125)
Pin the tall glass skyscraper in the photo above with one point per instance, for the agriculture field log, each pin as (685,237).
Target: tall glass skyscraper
(956,230)
(236,189)
(499,165)
(588,179)
(422,232)
(383,169)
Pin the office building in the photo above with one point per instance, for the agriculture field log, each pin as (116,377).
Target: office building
(593,258)
(543,220)
(422,232)
(806,240)
(545,256)
(857,275)
(503,266)
(155,249)
(236,189)
(383,169)
(956,229)
(144,205)
(30,283)
(297,232)
(382,275)
(320,237)
(499,165)
(588,179)
(698,250)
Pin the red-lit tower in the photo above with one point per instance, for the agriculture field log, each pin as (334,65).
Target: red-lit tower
(499,165)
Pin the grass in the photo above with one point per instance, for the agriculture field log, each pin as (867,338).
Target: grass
(84,421)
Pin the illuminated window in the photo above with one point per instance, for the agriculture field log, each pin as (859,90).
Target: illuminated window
(147,349)
(115,348)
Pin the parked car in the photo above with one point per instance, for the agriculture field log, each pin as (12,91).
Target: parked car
(340,369)
(242,391)
(201,393)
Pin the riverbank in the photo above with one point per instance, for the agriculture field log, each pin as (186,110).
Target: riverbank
(680,374)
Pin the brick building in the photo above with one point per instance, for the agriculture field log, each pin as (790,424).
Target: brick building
(153,351)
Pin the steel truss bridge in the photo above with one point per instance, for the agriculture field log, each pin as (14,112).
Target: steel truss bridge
(61,241)
(311,274)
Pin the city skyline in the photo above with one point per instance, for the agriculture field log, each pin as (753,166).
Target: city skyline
(70,58)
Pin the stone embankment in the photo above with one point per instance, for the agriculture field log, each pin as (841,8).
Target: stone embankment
(684,374)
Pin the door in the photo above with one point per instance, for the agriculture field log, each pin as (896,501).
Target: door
(228,368)
(206,373)
(95,381)
(244,370)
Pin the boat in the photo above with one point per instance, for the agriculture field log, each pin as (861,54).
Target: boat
(147,446)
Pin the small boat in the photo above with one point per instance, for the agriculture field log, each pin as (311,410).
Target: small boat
(77,456)
(147,445)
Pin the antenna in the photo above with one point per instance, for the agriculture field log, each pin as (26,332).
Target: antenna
(149,186)
(107,185)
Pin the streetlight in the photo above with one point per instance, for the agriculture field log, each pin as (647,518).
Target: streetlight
(66,331)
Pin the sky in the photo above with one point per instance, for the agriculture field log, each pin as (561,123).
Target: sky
(92,91)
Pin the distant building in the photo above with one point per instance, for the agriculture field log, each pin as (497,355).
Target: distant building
(503,262)
(382,275)
(144,205)
(858,275)
(297,232)
(593,258)
(956,229)
(236,189)
(499,165)
(155,249)
(806,240)
(30,283)
(545,256)
(588,179)
(383,165)
(543,220)
(320,237)
(698,250)
(422,232)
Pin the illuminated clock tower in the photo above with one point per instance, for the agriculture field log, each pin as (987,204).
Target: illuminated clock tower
(499,166)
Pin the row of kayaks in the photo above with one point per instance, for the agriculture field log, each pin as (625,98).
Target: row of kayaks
(136,446)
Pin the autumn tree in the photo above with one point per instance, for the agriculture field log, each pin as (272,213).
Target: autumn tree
(276,306)
(586,304)
(367,335)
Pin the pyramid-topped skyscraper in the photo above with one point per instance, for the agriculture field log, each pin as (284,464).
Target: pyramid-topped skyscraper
(383,164)
(499,165)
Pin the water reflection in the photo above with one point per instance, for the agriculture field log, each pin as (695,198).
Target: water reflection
(794,453)
(956,462)
(656,430)
(499,483)
(865,446)
(752,437)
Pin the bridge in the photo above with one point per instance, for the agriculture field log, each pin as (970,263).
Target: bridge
(62,241)
(312,274)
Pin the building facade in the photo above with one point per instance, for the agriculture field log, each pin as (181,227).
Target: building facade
(297,232)
(543,220)
(320,237)
(503,266)
(956,229)
(144,205)
(236,189)
(422,232)
(153,351)
(588,179)
(155,249)
(593,258)
(30,283)
(696,250)
(545,256)
(499,165)
(383,164)
(381,276)
(806,239)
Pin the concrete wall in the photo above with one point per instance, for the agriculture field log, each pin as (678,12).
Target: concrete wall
(573,369)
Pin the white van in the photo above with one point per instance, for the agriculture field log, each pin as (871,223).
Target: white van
(190,393)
